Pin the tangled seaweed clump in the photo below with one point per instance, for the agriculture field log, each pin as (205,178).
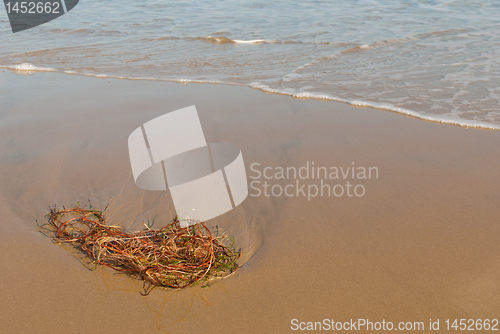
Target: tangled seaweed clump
(173,256)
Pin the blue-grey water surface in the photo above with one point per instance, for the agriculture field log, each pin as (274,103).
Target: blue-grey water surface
(437,60)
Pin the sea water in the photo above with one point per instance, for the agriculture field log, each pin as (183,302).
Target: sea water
(435,59)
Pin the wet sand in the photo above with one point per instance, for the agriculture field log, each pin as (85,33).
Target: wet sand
(421,243)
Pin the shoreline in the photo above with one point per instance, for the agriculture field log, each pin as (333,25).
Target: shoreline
(421,244)
(31,69)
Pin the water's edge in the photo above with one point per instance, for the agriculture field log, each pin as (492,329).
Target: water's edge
(29,69)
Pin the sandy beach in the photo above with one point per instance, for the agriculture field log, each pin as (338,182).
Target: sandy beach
(420,244)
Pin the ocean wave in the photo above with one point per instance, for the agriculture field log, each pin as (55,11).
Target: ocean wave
(177,80)
(26,67)
(380,44)
(31,69)
(226,40)
(215,39)
(443,119)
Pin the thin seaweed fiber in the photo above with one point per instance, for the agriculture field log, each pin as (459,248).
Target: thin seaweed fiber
(172,256)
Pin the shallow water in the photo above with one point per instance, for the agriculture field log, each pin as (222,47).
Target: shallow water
(438,60)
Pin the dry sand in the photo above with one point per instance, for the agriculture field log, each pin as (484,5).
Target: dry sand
(422,243)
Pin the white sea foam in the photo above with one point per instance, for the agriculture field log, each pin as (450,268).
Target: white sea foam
(32,68)
(445,119)
(254,41)
(28,68)
(226,40)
